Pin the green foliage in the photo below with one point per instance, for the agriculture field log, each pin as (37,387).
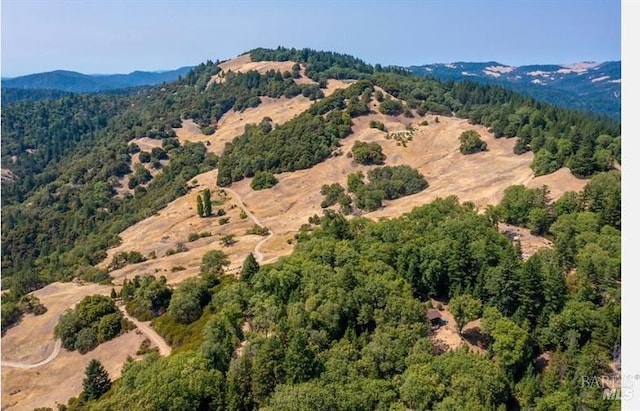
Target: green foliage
(377,124)
(96,381)
(297,144)
(124,258)
(180,248)
(94,320)
(510,343)
(367,153)
(391,107)
(181,382)
(333,193)
(146,297)
(199,206)
(263,180)
(385,183)
(257,229)
(197,236)
(224,220)
(465,308)
(212,267)
(206,203)
(249,267)
(228,240)
(518,202)
(188,300)
(470,142)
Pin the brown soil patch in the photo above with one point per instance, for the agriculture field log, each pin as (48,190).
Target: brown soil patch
(61,379)
(530,243)
(434,151)
(232,123)
(447,336)
(173,224)
(243,63)
(32,340)
(6,175)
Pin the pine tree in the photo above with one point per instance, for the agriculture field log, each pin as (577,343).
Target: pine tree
(206,200)
(249,267)
(199,206)
(114,295)
(96,381)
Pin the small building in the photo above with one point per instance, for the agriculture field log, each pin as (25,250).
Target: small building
(434,317)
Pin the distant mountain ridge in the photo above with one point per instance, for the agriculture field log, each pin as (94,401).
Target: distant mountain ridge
(586,86)
(75,82)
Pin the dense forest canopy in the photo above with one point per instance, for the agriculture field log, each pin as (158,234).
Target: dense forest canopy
(339,324)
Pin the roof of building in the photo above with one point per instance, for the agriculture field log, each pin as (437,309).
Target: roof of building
(433,314)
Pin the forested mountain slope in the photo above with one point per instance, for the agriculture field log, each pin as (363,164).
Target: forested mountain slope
(586,86)
(72,81)
(345,313)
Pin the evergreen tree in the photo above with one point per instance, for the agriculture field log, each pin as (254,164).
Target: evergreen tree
(114,295)
(249,267)
(200,206)
(96,381)
(206,203)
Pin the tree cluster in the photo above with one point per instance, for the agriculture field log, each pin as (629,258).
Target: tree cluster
(94,320)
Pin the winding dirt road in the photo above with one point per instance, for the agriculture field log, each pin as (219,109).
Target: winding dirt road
(149,332)
(26,366)
(256,250)
(144,327)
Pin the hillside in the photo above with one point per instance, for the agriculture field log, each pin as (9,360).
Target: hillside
(71,81)
(286,219)
(586,86)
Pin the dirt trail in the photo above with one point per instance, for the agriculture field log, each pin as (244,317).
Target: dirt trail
(256,250)
(27,366)
(149,332)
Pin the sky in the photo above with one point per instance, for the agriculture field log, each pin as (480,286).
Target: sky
(100,37)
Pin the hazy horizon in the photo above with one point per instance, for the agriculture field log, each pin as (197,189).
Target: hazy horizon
(120,37)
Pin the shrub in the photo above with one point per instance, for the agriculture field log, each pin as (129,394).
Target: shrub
(263,180)
(223,221)
(258,230)
(470,142)
(367,153)
(391,107)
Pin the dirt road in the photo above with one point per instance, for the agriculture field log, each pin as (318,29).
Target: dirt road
(149,332)
(25,366)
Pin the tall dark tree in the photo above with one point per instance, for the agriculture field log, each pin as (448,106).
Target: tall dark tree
(206,203)
(200,206)
(96,381)
(249,267)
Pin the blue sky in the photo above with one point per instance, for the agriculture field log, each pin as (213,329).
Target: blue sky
(122,36)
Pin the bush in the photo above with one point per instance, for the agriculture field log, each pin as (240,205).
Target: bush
(224,221)
(188,300)
(367,153)
(391,107)
(86,341)
(144,157)
(94,320)
(470,142)
(258,230)
(377,124)
(196,236)
(263,180)
(385,183)
(124,258)
(333,193)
